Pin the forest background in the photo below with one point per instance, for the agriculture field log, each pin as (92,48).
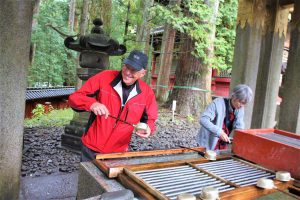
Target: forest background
(205,28)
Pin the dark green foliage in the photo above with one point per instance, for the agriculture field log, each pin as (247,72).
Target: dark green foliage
(119,13)
(225,33)
(193,19)
(53,63)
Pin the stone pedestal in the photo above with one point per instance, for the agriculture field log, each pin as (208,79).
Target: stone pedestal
(92,182)
(71,139)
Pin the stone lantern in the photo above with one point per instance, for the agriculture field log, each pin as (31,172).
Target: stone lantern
(95,49)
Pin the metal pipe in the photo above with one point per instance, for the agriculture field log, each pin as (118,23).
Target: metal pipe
(167,176)
(252,181)
(174,178)
(192,190)
(225,168)
(172,182)
(185,185)
(242,174)
(195,181)
(185,189)
(162,169)
(235,171)
(164,172)
(216,162)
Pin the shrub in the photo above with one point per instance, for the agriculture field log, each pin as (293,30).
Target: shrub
(55,117)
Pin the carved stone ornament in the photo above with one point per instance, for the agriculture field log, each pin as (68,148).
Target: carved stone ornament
(97,41)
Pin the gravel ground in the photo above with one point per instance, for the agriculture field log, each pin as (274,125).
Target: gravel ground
(42,154)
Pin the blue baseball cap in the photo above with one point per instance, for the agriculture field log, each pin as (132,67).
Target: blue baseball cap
(137,60)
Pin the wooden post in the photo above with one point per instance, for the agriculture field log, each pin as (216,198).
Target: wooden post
(267,84)
(289,118)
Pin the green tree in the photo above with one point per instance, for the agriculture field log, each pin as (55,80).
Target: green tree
(197,20)
(225,34)
(53,63)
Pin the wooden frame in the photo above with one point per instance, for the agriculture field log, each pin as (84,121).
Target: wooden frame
(272,154)
(141,188)
(113,171)
(148,153)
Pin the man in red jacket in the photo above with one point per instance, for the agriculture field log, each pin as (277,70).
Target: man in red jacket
(122,95)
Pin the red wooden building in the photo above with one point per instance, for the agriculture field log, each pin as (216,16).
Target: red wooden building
(57,97)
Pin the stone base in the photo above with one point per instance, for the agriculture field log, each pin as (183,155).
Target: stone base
(92,182)
(71,139)
(71,142)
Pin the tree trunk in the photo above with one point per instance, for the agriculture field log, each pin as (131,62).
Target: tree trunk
(166,58)
(102,9)
(148,52)
(83,29)
(193,74)
(190,73)
(142,29)
(34,24)
(105,13)
(72,7)
(84,17)
(126,24)
(143,35)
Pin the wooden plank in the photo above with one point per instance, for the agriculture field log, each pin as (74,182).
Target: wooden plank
(130,184)
(147,153)
(252,192)
(113,172)
(214,176)
(147,187)
(101,166)
(173,163)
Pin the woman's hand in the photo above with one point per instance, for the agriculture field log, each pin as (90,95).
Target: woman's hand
(224,137)
(99,109)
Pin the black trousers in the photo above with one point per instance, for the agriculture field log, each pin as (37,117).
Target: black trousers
(87,154)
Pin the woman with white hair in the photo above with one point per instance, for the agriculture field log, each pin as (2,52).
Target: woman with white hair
(222,116)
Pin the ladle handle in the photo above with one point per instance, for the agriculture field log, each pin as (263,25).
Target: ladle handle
(199,152)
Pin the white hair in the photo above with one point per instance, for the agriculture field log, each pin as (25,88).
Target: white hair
(242,92)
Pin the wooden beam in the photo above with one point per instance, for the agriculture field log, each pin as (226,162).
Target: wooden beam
(138,190)
(252,192)
(214,176)
(147,153)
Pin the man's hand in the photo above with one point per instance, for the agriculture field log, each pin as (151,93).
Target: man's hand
(99,109)
(224,137)
(143,133)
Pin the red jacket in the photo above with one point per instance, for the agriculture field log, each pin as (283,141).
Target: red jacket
(109,135)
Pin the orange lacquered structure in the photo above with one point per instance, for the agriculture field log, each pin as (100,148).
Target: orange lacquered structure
(271,148)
